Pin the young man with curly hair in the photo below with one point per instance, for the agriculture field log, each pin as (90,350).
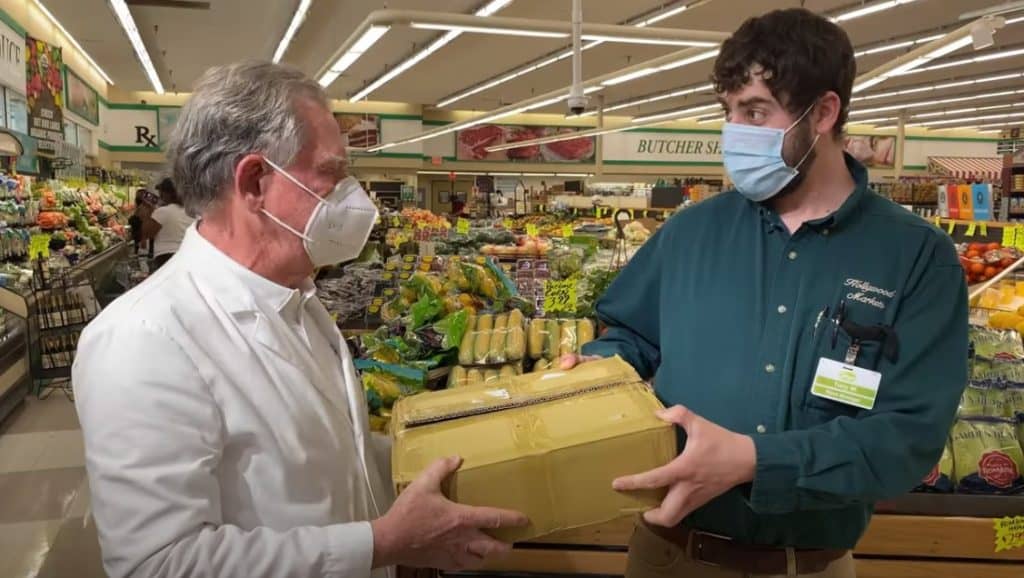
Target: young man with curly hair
(809,336)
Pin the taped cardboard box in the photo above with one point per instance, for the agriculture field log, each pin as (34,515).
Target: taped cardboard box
(546,444)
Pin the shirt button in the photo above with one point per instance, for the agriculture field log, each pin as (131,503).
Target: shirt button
(782,309)
(761,429)
(770,368)
(825,232)
(792,255)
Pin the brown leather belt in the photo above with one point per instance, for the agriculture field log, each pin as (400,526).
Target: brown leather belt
(721,551)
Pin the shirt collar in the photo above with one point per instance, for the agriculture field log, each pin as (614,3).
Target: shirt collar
(261,291)
(842,215)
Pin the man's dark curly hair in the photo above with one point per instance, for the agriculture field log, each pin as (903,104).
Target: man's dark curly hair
(802,55)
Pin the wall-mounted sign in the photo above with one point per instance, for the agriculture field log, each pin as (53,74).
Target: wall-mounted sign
(12,58)
(677,146)
(872,151)
(168,120)
(472,143)
(82,99)
(131,128)
(45,92)
(363,130)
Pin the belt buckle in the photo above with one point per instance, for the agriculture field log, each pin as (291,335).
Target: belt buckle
(699,554)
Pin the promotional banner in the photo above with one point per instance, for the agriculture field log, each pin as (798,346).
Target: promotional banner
(363,130)
(872,151)
(12,60)
(82,99)
(45,92)
(472,143)
(671,146)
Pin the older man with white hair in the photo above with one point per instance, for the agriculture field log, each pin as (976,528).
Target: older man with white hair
(225,425)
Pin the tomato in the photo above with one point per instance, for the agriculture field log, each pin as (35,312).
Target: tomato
(1006,262)
(982,279)
(979,247)
(972,254)
(977,268)
(993,246)
(990,272)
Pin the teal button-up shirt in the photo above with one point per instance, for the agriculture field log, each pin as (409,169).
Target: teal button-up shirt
(724,308)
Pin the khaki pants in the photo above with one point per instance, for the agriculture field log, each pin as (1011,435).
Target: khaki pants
(651,556)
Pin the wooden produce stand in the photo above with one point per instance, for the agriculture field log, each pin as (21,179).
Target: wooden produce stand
(895,546)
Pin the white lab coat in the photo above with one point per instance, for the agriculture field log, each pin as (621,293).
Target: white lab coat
(215,444)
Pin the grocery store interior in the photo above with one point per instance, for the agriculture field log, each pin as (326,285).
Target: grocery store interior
(510,243)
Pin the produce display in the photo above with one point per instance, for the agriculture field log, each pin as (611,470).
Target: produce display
(984,453)
(982,261)
(550,339)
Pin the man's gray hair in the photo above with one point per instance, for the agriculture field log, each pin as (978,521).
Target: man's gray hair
(236,110)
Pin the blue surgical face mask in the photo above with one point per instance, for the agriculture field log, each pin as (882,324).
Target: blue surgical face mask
(753,158)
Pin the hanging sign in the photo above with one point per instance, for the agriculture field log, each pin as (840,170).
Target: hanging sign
(45,91)
(12,58)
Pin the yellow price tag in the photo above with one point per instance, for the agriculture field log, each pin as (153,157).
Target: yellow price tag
(560,296)
(567,231)
(462,226)
(631,215)
(951,228)
(984,230)
(597,212)
(971,229)
(531,230)
(938,221)
(507,223)
(39,247)
(1008,236)
(1009,532)
(421,225)
(396,222)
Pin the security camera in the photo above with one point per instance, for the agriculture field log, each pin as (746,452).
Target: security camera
(577,104)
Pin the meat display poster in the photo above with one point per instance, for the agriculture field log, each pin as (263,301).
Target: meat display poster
(82,99)
(363,130)
(472,145)
(44,89)
(872,151)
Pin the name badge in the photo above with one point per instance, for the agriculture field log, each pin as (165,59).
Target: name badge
(846,383)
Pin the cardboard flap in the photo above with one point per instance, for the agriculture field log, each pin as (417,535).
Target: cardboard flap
(516,392)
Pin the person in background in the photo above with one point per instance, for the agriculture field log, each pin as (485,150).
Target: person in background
(225,425)
(165,228)
(143,211)
(814,371)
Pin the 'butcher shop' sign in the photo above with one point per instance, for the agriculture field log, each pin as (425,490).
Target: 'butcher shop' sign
(675,147)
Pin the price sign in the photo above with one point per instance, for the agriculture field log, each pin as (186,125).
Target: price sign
(1018,237)
(507,223)
(938,221)
(567,231)
(421,225)
(597,212)
(560,296)
(971,229)
(984,230)
(462,226)
(1009,532)
(951,228)
(631,214)
(531,230)
(1008,236)
(39,246)
(396,222)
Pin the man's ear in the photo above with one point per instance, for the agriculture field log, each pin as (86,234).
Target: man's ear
(827,115)
(249,181)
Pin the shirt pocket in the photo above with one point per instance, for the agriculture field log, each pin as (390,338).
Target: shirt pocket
(820,410)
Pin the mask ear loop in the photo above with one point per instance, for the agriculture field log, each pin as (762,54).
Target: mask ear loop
(808,153)
(270,216)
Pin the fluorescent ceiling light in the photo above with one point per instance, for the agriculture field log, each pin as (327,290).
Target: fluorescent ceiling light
(933,102)
(689,60)
(966,110)
(368,39)
(940,86)
(969,119)
(293,27)
(487,10)
(944,50)
(490,30)
(867,9)
(124,17)
(874,120)
(968,60)
(897,45)
(629,76)
(655,98)
(675,113)
(502,79)
(655,41)
(662,16)
(73,42)
(869,83)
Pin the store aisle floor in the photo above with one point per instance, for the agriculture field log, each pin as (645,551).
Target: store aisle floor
(45,526)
